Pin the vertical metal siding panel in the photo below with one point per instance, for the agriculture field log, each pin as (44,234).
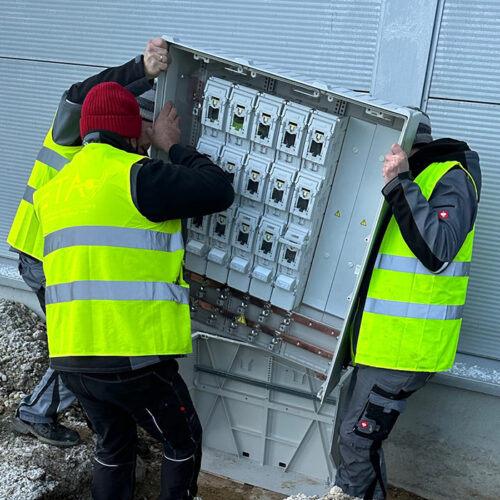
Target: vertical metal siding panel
(30,93)
(332,40)
(479,125)
(467,64)
(464,103)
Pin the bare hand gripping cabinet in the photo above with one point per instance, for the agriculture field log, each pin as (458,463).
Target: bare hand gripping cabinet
(274,278)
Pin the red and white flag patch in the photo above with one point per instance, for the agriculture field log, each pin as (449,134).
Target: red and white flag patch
(443,214)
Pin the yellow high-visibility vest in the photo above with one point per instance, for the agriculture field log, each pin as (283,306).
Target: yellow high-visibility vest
(25,234)
(114,278)
(412,316)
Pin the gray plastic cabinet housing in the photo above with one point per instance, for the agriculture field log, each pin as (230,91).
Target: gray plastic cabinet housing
(281,269)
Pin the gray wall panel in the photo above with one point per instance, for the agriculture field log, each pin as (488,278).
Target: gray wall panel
(467,63)
(332,40)
(478,124)
(30,93)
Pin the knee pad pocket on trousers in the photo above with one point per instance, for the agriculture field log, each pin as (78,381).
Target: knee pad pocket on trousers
(379,415)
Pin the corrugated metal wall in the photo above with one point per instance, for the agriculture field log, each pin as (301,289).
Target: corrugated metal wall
(464,103)
(45,46)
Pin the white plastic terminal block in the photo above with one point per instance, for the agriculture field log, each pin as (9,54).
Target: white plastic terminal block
(286,282)
(268,236)
(280,186)
(262,273)
(220,252)
(267,114)
(243,240)
(293,124)
(321,130)
(218,256)
(199,224)
(240,264)
(197,245)
(199,248)
(307,187)
(293,244)
(231,161)
(215,103)
(220,227)
(255,177)
(245,229)
(241,105)
(210,147)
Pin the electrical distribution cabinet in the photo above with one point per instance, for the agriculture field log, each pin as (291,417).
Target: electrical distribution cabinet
(274,277)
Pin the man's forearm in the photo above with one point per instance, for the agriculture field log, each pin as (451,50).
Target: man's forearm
(192,185)
(66,129)
(434,229)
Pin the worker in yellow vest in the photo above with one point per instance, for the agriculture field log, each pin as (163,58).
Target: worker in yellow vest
(117,305)
(37,413)
(411,300)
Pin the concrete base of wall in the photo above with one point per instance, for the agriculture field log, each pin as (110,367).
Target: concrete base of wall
(447,445)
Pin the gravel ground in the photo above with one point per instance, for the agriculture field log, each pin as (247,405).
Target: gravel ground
(30,470)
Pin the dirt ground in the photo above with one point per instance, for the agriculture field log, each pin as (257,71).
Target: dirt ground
(220,488)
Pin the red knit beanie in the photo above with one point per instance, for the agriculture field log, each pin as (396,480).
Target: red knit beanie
(109,106)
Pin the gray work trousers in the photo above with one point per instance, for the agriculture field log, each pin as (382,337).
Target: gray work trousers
(50,396)
(374,400)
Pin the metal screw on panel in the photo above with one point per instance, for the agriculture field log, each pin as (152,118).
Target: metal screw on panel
(274,342)
(242,307)
(194,306)
(254,332)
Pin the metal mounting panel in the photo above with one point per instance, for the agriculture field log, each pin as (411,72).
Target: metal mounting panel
(280,270)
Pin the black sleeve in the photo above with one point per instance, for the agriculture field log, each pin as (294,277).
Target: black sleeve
(66,126)
(434,229)
(192,185)
(130,75)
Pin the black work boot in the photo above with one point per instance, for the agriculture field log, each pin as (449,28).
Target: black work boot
(50,433)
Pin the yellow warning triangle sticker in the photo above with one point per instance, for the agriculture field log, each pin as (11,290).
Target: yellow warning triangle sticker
(241,319)
(337,213)
(363,222)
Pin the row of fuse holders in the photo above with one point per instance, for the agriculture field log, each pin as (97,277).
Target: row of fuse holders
(281,160)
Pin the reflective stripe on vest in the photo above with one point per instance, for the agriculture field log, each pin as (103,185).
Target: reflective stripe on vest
(52,159)
(412,310)
(114,278)
(124,237)
(412,316)
(414,266)
(28,194)
(116,290)
(25,233)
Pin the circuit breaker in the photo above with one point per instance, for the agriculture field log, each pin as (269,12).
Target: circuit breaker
(280,269)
